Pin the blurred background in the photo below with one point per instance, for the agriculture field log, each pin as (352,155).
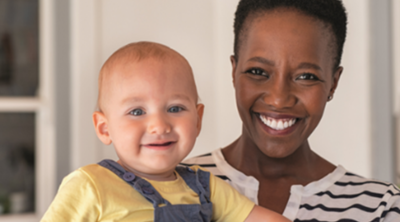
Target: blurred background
(51,53)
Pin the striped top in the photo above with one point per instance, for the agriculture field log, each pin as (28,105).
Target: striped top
(339,196)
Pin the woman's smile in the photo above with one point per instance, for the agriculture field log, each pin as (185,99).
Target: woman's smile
(278,124)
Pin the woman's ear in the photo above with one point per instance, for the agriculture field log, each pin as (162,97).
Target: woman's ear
(335,80)
(233,62)
(101,127)
(200,111)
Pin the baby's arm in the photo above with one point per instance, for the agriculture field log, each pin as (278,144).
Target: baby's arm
(75,200)
(262,214)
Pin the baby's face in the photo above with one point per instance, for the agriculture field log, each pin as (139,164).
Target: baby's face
(152,115)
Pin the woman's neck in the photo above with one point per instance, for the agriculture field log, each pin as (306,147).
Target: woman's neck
(303,165)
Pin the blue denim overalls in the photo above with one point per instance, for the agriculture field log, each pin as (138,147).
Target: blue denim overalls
(198,181)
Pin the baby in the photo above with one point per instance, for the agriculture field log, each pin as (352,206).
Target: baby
(149,111)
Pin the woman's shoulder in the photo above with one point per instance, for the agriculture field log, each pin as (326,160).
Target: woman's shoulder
(353,197)
(350,187)
(351,181)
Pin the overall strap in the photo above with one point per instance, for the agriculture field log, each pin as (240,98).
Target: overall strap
(198,181)
(140,185)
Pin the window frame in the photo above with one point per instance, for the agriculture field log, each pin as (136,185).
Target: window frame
(43,107)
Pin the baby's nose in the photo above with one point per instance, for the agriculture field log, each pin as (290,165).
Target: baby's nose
(159,125)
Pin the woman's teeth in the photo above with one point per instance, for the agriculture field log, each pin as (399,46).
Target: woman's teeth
(277,124)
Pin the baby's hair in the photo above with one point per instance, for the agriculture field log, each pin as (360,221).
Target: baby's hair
(330,12)
(134,52)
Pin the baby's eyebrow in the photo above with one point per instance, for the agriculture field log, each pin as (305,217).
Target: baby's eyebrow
(181,96)
(139,99)
(132,99)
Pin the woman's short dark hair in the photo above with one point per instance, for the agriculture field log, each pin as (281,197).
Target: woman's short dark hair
(330,12)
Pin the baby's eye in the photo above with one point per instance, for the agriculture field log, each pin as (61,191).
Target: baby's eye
(257,72)
(137,112)
(175,109)
(308,76)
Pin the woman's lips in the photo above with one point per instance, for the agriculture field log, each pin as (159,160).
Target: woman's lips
(277,124)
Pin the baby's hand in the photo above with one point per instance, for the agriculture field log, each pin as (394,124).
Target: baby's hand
(262,214)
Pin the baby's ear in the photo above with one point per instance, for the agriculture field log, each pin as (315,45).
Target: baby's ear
(101,127)
(200,111)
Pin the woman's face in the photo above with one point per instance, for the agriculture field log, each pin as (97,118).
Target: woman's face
(283,78)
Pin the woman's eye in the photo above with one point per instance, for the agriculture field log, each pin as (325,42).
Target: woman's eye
(175,109)
(257,72)
(308,76)
(137,112)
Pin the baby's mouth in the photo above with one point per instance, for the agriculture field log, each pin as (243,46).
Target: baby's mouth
(277,124)
(160,144)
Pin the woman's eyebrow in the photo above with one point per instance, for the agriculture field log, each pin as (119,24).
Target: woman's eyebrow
(262,60)
(303,65)
(307,65)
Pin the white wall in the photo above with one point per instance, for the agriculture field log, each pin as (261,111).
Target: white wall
(343,136)
(203,32)
(396,71)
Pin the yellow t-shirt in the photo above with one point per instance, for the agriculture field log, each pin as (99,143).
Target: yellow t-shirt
(94,193)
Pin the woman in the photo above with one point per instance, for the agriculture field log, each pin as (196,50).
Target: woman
(286,67)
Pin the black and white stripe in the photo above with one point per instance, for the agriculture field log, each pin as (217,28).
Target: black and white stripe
(340,196)
(205,161)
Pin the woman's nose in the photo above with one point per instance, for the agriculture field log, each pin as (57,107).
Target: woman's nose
(279,93)
(159,124)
